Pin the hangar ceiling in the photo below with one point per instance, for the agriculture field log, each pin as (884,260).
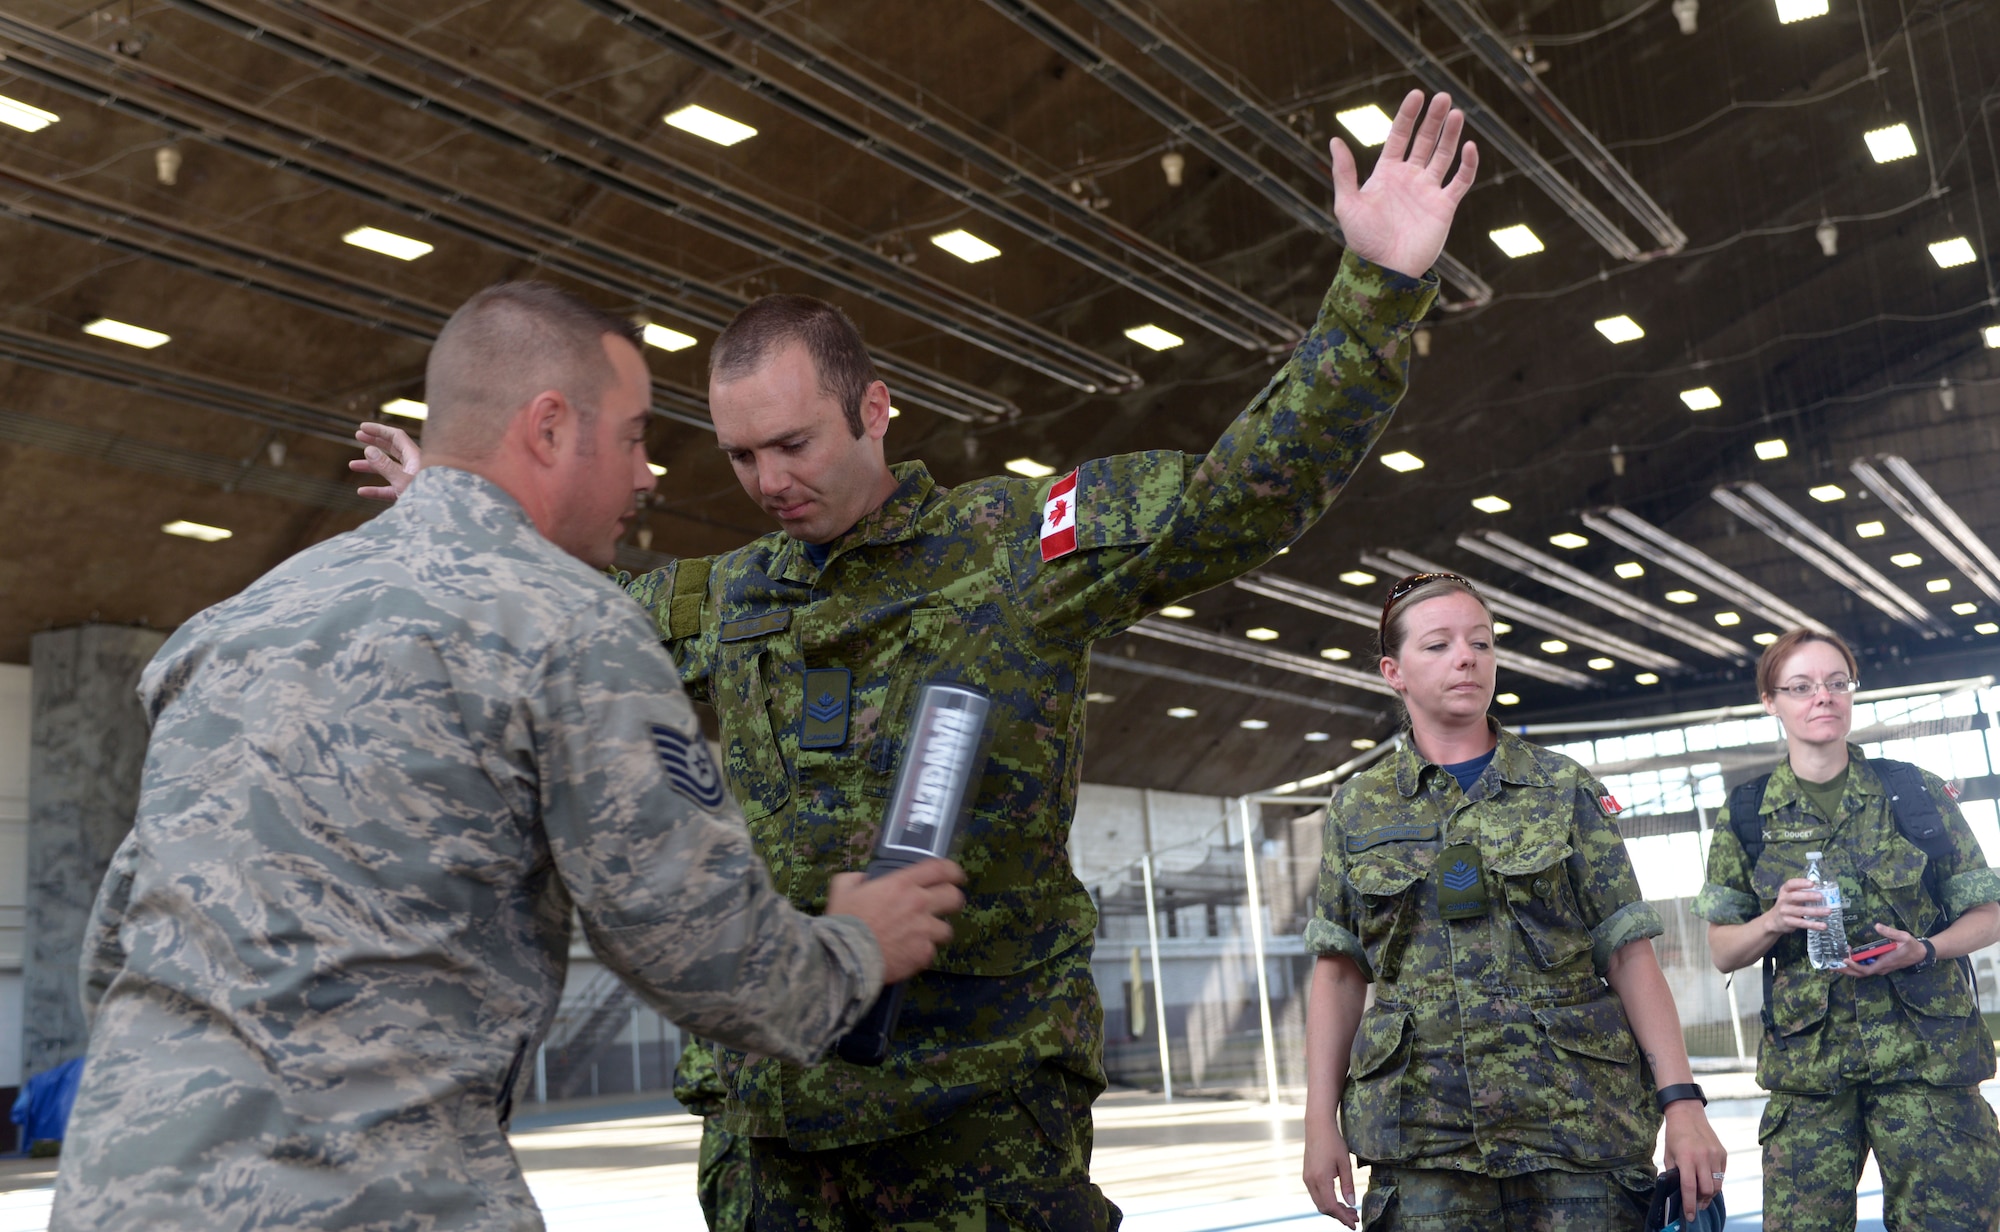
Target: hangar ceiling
(1135,162)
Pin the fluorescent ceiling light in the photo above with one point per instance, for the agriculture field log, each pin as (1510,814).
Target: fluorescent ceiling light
(709,125)
(408,408)
(1182,712)
(1771,451)
(196,530)
(1569,539)
(1992,336)
(130,335)
(1029,468)
(1870,530)
(1317,737)
(1554,646)
(966,246)
(388,243)
(1362,742)
(1647,678)
(28,119)
(1987,627)
(1153,337)
(1629,569)
(895,412)
(1369,125)
(1601,665)
(656,468)
(1680,596)
(1765,639)
(1620,328)
(1827,492)
(1507,699)
(1703,399)
(1938,586)
(1335,653)
(1358,577)
(1790,11)
(1954,252)
(1254,724)
(1261,634)
(667,339)
(1516,241)
(1728,619)
(1100,698)
(1907,560)
(1491,504)
(1501,626)
(1402,460)
(1891,143)
(1174,611)
(1964,609)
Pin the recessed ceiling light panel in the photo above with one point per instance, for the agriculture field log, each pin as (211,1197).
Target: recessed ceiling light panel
(1174,611)
(1702,399)
(1507,699)
(1154,338)
(1402,460)
(17,114)
(709,125)
(656,469)
(1254,724)
(1728,619)
(1620,328)
(1629,569)
(1986,627)
(1954,252)
(1317,737)
(666,339)
(1886,145)
(966,246)
(1680,596)
(1358,577)
(1028,468)
(1516,241)
(408,408)
(388,243)
(1261,634)
(1790,11)
(1938,586)
(1964,609)
(131,335)
(1906,560)
(1554,646)
(1647,678)
(1870,530)
(1491,504)
(1569,539)
(197,530)
(1600,665)
(1827,492)
(1335,654)
(1182,712)
(1770,451)
(1369,125)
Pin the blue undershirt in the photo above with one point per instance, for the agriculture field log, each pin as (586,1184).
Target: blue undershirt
(817,553)
(1467,772)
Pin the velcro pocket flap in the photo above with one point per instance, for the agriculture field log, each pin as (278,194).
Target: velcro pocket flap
(1377,1041)
(1391,869)
(1531,858)
(1593,1029)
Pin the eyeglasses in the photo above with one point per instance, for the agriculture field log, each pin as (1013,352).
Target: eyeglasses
(1402,589)
(1837,687)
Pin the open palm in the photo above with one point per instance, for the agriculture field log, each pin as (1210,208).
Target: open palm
(1400,217)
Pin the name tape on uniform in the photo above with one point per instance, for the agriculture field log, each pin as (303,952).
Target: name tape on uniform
(1059,519)
(689,769)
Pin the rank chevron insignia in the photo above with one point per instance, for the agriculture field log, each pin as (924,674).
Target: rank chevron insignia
(825,708)
(1461,876)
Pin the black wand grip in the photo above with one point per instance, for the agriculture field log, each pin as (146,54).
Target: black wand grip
(933,795)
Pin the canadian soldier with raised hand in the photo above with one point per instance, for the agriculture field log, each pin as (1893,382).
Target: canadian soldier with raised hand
(1886,1052)
(380,783)
(811,643)
(1522,1049)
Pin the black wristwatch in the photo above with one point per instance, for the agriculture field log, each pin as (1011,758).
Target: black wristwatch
(1680,1091)
(1929,959)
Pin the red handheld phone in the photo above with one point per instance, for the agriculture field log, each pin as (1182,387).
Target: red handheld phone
(1873,952)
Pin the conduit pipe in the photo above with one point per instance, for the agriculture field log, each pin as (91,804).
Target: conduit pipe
(1635,534)
(1505,603)
(1486,43)
(1265,326)
(1949,534)
(1756,505)
(1188,69)
(1283,660)
(1143,667)
(1506,550)
(1354,612)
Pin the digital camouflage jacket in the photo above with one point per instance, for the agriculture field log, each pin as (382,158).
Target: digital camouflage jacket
(1905,1026)
(1493,1044)
(380,781)
(812,672)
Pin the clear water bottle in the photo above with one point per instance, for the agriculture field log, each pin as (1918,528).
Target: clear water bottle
(1827,950)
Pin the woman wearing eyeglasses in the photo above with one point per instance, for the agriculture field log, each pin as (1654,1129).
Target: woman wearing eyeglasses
(1887,1051)
(1512,1069)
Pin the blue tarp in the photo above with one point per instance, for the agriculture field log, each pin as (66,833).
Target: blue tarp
(42,1111)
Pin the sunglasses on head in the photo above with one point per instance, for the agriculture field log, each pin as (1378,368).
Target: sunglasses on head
(1401,589)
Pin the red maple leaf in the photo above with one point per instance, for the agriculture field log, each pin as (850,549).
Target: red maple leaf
(1058,511)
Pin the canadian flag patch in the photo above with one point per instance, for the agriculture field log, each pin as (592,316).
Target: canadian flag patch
(1059,519)
(1952,789)
(1610,805)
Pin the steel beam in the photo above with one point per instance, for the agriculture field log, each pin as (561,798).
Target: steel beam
(1636,534)
(1283,660)
(1949,534)
(1756,505)
(1143,667)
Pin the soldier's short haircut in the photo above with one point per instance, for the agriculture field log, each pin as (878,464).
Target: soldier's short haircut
(774,322)
(505,345)
(1772,661)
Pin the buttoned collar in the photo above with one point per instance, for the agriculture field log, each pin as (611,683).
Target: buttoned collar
(893,521)
(1513,758)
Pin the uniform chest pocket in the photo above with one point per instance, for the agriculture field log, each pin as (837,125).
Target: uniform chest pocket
(756,767)
(1896,875)
(1386,881)
(1535,882)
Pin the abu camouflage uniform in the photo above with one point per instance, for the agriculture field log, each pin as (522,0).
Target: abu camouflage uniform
(1493,1049)
(1890,1063)
(722,1173)
(380,782)
(812,670)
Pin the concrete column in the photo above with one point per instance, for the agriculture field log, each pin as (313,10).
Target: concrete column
(87,746)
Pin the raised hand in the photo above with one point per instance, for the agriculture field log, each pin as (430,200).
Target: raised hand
(1400,217)
(389,453)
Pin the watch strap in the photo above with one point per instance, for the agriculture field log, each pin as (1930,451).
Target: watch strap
(1930,955)
(1680,1091)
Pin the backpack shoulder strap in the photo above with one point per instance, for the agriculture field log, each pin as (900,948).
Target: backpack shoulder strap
(1746,816)
(1918,819)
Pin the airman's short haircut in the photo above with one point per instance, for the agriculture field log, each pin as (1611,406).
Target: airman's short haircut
(505,345)
(774,322)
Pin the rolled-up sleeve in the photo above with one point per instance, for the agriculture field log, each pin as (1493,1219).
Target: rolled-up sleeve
(1329,930)
(655,854)
(1606,887)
